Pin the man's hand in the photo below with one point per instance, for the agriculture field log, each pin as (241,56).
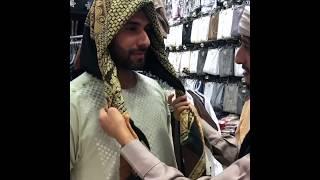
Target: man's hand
(115,125)
(178,105)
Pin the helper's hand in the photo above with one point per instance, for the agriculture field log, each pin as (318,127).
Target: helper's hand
(178,105)
(193,109)
(115,125)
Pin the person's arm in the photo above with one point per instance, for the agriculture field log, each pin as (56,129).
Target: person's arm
(225,148)
(145,164)
(148,167)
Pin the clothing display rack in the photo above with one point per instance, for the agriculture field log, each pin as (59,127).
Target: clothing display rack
(183,16)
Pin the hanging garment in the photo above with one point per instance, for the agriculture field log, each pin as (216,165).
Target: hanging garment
(178,35)
(225,24)
(190,84)
(208,90)
(242,97)
(208,5)
(226,62)
(80,7)
(178,62)
(230,98)
(201,60)
(175,9)
(217,96)
(169,40)
(221,21)
(186,33)
(184,8)
(168,10)
(228,23)
(204,28)
(237,12)
(213,27)
(211,65)
(173,59)
(195,31)
(185,61)
(196,5)
(194,61)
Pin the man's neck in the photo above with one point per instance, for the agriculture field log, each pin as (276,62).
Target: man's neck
(127,78)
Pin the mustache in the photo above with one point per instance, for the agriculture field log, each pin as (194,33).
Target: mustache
(138,50)
(245,68)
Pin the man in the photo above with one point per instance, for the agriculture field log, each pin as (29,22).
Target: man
(119,37)
(243,57)
(148,166)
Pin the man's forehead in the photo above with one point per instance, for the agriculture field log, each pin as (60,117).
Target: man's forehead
(139,16)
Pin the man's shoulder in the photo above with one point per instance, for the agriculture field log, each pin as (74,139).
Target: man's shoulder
(149,81)
(84,85)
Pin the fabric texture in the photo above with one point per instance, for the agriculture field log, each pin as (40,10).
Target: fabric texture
(237,12)
(244,25)
(217,96)
(230,98)
(149,167)
(161,16)
(211,65)
(194,61)
(244,124)
(94,154)
(226,61)
(213,28)
(186,33)
(201,60)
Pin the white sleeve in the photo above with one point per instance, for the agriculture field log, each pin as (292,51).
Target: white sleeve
(74,136)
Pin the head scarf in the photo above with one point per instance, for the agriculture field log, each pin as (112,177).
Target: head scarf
(104,21)
(244,25)
(161,16)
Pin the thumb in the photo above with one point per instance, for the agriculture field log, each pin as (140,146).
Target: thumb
(170,98)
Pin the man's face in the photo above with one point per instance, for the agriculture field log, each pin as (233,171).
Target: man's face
(128,48)
(243,57)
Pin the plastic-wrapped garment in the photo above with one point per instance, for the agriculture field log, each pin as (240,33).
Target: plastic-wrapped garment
(226,61)
(211,65)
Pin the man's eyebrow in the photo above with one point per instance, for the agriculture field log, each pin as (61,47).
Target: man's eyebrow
(133,23)
(136,23)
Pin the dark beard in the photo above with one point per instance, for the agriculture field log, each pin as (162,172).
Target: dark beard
(127,65)
(124,62)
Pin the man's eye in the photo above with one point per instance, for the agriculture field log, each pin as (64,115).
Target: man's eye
(148,28)
(131,28)
(246,46)
(243,44)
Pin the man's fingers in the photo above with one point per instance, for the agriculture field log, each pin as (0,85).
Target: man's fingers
(103,114)
(170,98)
(179,99)
(184,103)
(181,108)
